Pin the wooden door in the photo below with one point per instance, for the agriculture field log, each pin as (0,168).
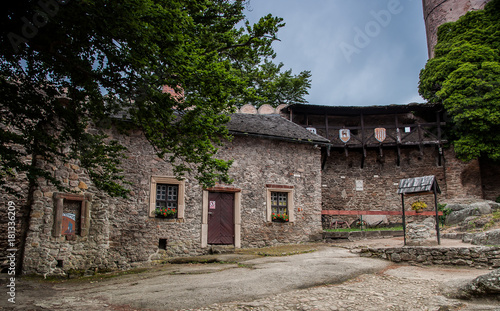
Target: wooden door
(220,218)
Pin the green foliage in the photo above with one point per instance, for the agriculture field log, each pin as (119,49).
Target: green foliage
(274,87)
(62,77)
(464,76)
(446,211)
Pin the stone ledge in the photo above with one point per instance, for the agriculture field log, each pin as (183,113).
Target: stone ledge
(478,257)
(360,235)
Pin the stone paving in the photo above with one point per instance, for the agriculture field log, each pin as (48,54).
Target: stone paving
(394,287)
(366,292)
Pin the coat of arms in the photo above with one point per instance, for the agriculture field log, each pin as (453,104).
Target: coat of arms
(380,134)
(345,135)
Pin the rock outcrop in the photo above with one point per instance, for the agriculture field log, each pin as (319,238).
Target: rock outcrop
(461,211)
(484,286)
(486,238)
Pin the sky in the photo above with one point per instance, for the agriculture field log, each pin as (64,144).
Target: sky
(359,52)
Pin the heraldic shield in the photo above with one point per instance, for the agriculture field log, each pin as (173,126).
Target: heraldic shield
(345,135)
(380,134)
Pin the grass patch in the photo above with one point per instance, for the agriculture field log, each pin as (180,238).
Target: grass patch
(79,277)
(368,229)
(283,250)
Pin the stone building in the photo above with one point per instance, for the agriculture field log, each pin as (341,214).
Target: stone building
(372,148)
(277,168)
(438,12)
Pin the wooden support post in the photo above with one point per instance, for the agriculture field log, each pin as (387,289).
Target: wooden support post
(398,141)
(437,217)
(404,218)
(398,161)
(420,139)
(363,142)
(326,127)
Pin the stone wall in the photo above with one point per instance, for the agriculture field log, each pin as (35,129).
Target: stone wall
(258,162)
(479,257)
(122,235)
(377,181)
(490,177)
(11,210)
(347,185)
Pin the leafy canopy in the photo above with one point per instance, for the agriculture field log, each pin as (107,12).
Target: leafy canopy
(464,76)
(67,67)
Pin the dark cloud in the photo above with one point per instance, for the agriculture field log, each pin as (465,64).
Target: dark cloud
(360,52)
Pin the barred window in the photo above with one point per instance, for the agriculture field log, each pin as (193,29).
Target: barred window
(279,202)
(166,198)
(166,195)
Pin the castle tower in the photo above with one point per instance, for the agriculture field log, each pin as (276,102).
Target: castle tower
(437,12)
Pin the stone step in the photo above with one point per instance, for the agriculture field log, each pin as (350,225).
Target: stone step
(222,249)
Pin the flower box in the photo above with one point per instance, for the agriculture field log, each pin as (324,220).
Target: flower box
(279,217)
(166,212)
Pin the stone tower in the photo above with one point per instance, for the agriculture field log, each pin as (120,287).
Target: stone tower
(437,12)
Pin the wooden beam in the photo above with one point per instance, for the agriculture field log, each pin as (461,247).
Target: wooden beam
(418,193)
(326,125)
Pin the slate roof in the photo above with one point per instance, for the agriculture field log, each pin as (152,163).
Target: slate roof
(272,126)
(418,184)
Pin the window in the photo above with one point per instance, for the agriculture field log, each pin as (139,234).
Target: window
(279,205)
(280,202)
(166,197)
(71,215)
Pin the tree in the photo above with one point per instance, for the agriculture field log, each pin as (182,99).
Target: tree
(464,76)
(65,66)
(272,86)
(68,68)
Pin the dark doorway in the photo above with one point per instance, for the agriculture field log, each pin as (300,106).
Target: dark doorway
(220,218)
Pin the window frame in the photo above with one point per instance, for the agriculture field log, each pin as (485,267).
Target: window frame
(167,180)
(283,189)
(84,221)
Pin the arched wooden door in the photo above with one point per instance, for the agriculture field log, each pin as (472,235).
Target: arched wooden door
(220,218)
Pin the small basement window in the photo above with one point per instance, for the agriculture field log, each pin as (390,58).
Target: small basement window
(162,244)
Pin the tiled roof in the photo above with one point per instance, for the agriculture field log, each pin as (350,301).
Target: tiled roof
(272,126)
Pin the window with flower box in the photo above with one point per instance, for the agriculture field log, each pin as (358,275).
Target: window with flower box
(280,203)
(166,200)
(167,197)
(279,206)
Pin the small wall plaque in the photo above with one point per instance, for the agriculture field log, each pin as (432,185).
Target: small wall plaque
(359,185)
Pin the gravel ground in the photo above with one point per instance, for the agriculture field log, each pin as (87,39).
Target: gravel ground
(395,289)
(332,278)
